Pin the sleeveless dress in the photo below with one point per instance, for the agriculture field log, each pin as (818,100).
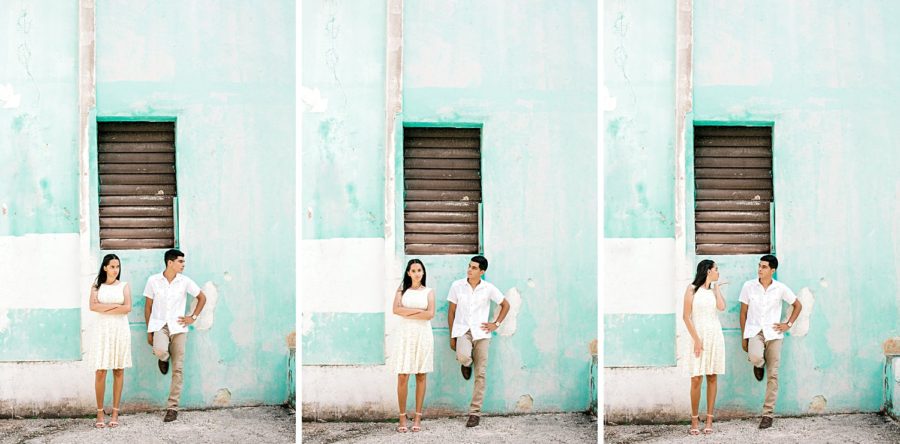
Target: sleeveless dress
(112,337)
(414,346)
(706,322)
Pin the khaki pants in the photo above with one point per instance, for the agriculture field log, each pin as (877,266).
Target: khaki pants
(166,346)
(467,353)
(761,352)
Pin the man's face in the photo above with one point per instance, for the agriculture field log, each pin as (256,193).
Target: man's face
(764,271)
(177,265)
(474,271)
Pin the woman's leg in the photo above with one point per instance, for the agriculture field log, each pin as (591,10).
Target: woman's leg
(402,387)
(711,387)
(421,382)
(100,391)
(118,381)
(695,400)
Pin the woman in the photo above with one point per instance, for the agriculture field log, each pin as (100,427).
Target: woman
(414,346)
(701,300)
(111,299)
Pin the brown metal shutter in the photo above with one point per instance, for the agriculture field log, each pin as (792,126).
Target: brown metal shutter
(733,183)
(442,190)
(136,162)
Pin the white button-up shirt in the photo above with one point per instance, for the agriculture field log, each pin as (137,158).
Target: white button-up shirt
(764,307)
(169,301)
(473,307)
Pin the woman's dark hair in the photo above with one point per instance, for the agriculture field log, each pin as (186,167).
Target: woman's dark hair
(702,271)
(101,276)
(407,281)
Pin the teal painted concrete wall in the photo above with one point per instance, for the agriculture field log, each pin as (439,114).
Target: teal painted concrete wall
(343,136)
(822,78)
(39,136)
(641,340)
(530,81)
(332,333)
(226,75)
(39,170)
(639,133)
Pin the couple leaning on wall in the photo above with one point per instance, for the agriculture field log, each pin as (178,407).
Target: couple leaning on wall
(761,326)
(164,312)
(470,333)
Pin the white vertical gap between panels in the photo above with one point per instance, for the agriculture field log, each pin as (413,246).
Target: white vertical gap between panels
(393,110)
(87,100)
(683,104)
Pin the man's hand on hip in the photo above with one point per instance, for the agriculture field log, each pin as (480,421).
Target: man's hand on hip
(185,320)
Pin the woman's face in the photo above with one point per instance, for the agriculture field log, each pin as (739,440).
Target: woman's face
(112,269)
(415,273)
(714,273)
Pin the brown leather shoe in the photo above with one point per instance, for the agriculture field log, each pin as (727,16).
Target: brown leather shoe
(466,371)
(758,372)
(473,421)
(766,422)
(164,367)
(171,415)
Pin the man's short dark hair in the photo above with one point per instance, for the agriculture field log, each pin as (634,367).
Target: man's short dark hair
(481,261)
(172,255)
(772,260)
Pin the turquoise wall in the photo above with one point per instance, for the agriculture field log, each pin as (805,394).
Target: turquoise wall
(823,79)
(226,75)
(343,155)
(39,137)
(639,133)
(39,152)
(530,81)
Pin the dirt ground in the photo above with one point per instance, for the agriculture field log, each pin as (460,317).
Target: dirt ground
(539,428)
(855,428)
(245,424)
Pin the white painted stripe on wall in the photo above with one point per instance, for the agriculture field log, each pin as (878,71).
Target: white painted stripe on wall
(639,276)
(343,276)
(40,271)
(662,393)
(34,385)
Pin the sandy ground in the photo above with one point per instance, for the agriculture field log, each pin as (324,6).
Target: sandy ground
(542,428)
(856,428)
(244,424)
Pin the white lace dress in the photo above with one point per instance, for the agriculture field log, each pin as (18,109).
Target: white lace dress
(706,322)
(112,337)
(414,344)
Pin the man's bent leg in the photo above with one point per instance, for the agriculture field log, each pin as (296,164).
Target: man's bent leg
(464,349)
(756,350)
(773,359)
(176,349)
(161,344)
(480,357)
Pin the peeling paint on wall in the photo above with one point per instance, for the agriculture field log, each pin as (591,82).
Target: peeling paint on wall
(801,325)
(817,405)
(9,99)
(207,316)
(508,327)
(525,403)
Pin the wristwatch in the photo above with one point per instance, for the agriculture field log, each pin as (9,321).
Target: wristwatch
(497,324)
(790,324)
(194,317)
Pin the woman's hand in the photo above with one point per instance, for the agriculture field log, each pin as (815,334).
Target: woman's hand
(698,347)
(453,344)
(150,339)
(744,344)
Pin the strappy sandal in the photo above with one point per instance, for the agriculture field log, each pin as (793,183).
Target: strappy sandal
(707,430)
(115,423)
(402,428)
(99,424)
(695,431)
(417,428)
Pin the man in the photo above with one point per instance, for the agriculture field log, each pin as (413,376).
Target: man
(763,330)
(470,334)
(164,309)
